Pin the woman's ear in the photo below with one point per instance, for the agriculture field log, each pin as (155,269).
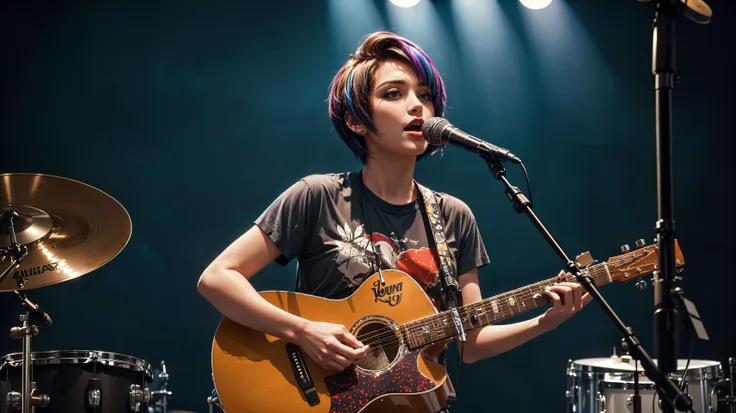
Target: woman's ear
(355,125)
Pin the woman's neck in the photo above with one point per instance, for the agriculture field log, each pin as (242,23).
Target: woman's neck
(391,181)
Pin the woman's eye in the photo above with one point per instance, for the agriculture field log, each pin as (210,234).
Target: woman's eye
(392,94)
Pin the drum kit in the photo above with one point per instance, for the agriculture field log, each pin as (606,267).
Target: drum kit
(600,385)
(52,230)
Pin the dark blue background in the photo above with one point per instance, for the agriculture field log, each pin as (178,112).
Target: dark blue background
(195,115)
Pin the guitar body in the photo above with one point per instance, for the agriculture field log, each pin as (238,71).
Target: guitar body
(254,372)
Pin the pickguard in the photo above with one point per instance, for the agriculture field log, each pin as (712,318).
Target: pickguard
(351,389)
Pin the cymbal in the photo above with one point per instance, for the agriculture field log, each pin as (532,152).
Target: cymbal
(70,228)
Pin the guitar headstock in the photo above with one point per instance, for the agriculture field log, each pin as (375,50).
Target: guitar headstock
(634,264)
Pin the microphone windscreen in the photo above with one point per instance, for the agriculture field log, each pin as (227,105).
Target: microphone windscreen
(432,130)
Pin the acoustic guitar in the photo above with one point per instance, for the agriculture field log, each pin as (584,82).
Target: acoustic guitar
(257,372)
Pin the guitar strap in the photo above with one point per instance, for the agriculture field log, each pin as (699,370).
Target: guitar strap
(447,276)
(436,227)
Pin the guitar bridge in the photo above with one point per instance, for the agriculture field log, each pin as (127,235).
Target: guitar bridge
(301,374)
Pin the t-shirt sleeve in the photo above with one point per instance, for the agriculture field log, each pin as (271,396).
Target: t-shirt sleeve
(290,220)
(471,251)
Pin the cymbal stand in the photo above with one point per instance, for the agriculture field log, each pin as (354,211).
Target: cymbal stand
(28,398)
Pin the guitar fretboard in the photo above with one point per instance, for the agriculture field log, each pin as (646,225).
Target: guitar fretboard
(441,326)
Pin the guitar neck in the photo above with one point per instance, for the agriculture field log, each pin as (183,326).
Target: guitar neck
(440,327)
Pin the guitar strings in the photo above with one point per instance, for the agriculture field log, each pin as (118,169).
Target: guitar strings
(372,361)
(503,308)
(411,328)
(391,339)
(443,317)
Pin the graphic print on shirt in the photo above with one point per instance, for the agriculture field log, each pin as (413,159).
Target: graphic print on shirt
(356,257)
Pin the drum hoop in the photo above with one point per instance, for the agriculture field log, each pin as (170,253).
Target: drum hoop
(713,368)
(81,357)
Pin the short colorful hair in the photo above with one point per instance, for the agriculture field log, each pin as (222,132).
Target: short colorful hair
(351,88)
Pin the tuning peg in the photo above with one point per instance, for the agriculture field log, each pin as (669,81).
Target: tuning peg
(640,243)
(625,248)
(641,284)
(584,259)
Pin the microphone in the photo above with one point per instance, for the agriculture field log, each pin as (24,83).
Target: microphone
(695,10)
(438,131)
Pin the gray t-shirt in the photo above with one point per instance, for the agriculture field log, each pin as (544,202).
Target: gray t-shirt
(325,222)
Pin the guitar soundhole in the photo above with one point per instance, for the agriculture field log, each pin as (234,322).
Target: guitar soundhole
(384,345)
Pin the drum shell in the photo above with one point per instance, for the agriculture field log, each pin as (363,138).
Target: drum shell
(593,388)
(69,376)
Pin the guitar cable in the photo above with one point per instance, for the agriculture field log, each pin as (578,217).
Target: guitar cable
(459,371)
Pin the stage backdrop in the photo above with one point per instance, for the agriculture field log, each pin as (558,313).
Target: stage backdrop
(195,115)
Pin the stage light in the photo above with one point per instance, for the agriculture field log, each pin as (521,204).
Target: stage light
(535,4)
(404,3)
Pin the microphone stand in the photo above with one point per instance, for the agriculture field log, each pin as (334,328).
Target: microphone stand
(522,205)
(663,68)
(668,296)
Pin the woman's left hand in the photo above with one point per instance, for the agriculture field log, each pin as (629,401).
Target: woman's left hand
(567,299)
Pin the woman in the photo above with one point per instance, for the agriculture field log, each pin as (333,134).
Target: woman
(344,227)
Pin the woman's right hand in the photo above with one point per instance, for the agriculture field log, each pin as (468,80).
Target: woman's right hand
(330,345)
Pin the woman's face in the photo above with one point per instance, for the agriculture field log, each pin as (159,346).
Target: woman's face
(400,105)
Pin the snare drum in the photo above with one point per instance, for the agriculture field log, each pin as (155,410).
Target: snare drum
(598,385)
(79,381)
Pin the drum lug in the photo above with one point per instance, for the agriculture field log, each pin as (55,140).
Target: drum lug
(94,392)
(571,396)
(13,399)
(138,396)
(37,399)
(93,398)
(601,399)
(630,403)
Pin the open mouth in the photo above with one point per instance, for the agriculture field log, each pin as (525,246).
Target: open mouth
(415,125)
